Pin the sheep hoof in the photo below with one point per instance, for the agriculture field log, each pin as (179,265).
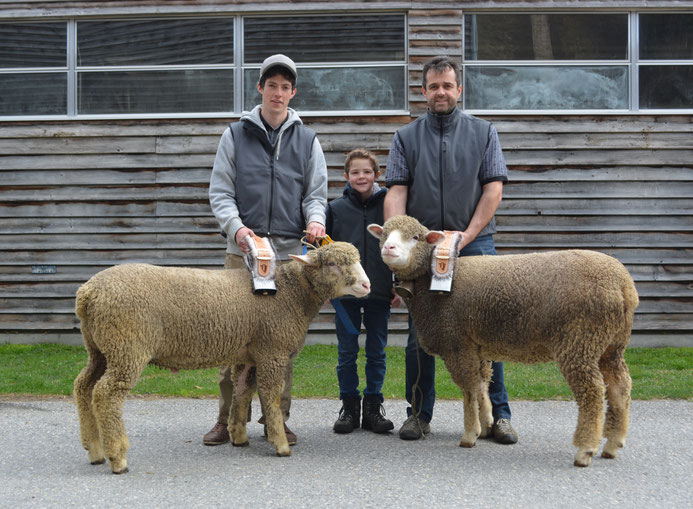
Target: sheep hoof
(242,444)
(611,448)
(284,452)
(583,459)
(486,433)
(118,466)
(468,440)
(98,462)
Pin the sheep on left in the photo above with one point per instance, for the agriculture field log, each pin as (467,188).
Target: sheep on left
(183,318)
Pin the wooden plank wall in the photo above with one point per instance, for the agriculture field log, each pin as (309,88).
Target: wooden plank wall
(84,196)
(79,196)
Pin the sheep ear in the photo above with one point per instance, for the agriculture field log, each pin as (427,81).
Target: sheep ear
(435,237)
(376,230)
(304,259)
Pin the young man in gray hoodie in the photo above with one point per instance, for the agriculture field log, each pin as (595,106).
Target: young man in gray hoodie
(269,179)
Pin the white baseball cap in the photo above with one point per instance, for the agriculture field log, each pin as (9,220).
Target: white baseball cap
(281,60)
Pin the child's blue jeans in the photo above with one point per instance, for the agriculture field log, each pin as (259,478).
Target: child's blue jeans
(376,313)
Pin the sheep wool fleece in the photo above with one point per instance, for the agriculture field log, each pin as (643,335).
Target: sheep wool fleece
(185,318)
(573,307)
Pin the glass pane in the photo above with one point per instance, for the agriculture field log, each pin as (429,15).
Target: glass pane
(156,91)
(546,36)
(155,42)
(33,94)
(33,45)
(340,89)
(666,86)
(326,39)
(666,36)
(540,88)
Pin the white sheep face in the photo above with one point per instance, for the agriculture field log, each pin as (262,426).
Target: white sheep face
(396,250)
(352,278)
(360,288)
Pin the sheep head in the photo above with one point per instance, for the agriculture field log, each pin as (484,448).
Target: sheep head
(335,270)
(406,245)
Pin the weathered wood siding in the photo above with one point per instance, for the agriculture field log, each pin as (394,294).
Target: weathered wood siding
(84,196)
(79,196)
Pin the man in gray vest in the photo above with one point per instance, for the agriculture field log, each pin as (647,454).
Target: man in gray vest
(269,179)
(447,170)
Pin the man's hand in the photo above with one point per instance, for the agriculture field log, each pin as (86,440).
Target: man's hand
(396,300)
(241,234)
(464,240)
(314,229)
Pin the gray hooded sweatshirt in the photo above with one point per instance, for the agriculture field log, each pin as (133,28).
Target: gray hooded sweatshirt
(266,204)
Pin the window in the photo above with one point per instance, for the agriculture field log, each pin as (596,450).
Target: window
(200,66)
(155,66)
(345,63)
(546,61)
(665,70)
(33,69)
(569,61)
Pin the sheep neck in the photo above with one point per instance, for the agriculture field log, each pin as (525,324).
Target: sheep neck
(411,274)
(294,273)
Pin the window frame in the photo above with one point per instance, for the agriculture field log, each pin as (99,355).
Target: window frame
(632,64)
(404,64)
(239,67)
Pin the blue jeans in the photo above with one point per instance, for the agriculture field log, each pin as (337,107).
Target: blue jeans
(376,313)
(425,395)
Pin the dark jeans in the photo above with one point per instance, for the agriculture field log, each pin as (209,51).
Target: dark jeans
(425,394)
(376,313)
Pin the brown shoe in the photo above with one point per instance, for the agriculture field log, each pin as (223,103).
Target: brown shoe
(218,435)
(290,435)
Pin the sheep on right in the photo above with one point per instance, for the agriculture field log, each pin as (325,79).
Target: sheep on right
(574,307)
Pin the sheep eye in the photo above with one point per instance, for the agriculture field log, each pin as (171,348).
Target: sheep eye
(331,264)
(416,237)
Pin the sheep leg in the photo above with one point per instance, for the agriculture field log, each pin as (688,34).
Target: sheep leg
(84,387)
(586,382)
(108,398)
(245,384)
(485,407)
(270,383)
(618,385)
(468,380)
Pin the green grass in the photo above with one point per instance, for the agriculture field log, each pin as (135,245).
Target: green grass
(49,369)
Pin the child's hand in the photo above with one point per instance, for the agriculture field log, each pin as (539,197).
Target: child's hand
(396,300)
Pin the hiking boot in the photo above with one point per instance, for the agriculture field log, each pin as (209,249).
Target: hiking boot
(414,428)
(503,432)
(290,435)
(218,435)
(348,416)
(374,416)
